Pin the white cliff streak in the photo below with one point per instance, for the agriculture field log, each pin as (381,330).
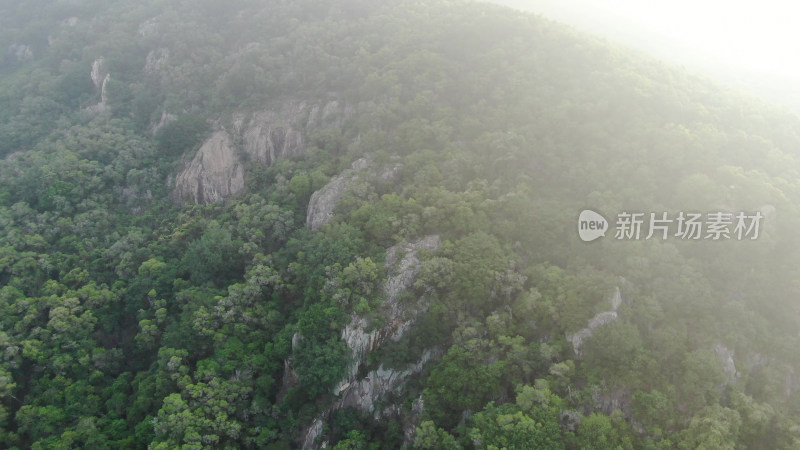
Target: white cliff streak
(598,320)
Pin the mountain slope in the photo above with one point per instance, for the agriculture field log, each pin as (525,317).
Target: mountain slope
(251,224)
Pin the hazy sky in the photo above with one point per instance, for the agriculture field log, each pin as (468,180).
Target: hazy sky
(755,35)
(754,44)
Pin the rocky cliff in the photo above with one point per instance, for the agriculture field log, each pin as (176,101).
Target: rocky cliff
(323,202)
(100,78)
(217,172)
(402,265)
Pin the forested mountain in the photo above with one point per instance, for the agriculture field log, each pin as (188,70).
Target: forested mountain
(354,224)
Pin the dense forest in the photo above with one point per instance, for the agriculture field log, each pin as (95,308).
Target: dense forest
(353,224)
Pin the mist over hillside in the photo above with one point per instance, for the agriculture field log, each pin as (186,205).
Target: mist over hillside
(399,224)
(764,69)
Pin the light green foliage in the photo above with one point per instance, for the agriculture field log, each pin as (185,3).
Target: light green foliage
(531,422)
(714,427)
(428,436)
(356,286)
(598,431)
(203,414)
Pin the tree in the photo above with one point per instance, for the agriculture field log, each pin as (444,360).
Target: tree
(213,257)
(461,382)
(181,135)
(714,427)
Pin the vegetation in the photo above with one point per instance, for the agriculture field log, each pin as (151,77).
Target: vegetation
(130,321)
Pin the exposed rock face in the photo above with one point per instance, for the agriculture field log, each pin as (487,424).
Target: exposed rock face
(156,60)
(725,356)
(98,73)
(331,115)
(214,173)
(21,52)
(756,360)
(322,203)
(104,92)
(612,400)
(147,27)
(290,379)
(598,320)
(365,392)
(616,299)
(100,78)
(399,317)
(570,420)
(217,170)
(412,420)
(402,265)
(268,136)
(377,383)
(312,433)
(792,383)
(165,119)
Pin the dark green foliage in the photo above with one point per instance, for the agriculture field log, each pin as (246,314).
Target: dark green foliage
(129,321)
(213,257)
(180,136)
(461,382)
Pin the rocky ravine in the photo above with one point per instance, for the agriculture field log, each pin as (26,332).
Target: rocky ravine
(217,170)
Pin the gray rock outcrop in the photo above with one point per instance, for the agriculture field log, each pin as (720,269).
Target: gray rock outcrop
(312,433)
(100,78)
(267,136)
(725,356)
(156,60)
(402,265)
(20,52)
(363,393)
(324,201)
(166,118)
(214,173)
(610,400)
(600,319)
(217,170)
